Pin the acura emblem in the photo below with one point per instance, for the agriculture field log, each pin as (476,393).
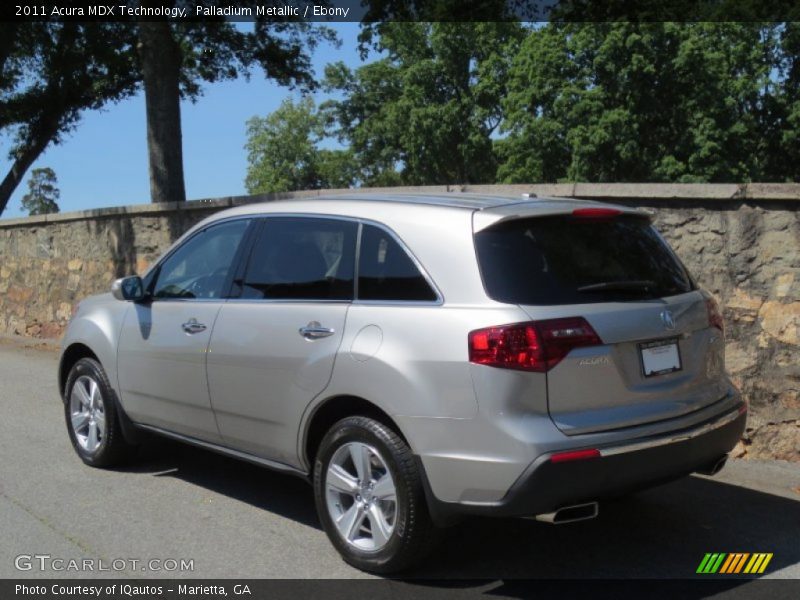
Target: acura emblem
(668,320)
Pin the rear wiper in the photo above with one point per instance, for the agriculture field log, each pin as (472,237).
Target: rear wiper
(632,285)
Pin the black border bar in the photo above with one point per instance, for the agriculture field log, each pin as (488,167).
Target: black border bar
(375,11)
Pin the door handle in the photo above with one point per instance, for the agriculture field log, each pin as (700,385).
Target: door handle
(315,331)
(192,326)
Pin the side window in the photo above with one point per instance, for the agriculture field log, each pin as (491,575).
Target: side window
(199,268)
(386,271)
(302,258)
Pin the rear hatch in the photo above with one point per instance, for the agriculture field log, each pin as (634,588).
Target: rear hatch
(651,353)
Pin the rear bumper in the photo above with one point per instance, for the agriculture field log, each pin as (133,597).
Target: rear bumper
(546,486)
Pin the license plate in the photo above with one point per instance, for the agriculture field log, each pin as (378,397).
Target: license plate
(660,357)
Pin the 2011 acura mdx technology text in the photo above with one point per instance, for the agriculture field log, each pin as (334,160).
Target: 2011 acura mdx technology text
(417,357)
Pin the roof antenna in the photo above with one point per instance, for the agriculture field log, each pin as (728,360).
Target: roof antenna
(529,195)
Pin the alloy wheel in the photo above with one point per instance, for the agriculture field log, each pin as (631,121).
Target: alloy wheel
(87,412)
(361,496)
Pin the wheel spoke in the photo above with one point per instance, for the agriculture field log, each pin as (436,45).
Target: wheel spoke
(360,455)
(94,393)
(381,530)
(341,480)
(350,522)
(100,419)
(384,488)
(91,438)
(79,420)
(83,395)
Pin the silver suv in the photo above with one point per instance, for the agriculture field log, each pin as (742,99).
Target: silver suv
(416,357)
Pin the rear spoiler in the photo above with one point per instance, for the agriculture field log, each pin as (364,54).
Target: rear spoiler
(545,207)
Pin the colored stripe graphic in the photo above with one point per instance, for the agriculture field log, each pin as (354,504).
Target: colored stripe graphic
(758,563)
(727,564)
(711,562)
(740,564)
(703,563)
(734,562)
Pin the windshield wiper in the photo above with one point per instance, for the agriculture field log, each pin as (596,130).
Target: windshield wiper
(633,285)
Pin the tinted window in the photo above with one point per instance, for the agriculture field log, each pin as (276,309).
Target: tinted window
(386,271)
(302,259)
(568,260)
(200,267)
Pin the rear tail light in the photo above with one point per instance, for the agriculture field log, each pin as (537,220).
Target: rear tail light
(532,346)
(714,313)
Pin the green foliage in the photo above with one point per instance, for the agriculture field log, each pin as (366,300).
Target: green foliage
(52,71)
(449,103)
(627,101)
(43,193)
(336,169)
(214,49)
(786,106)
(425,112)
(49,73)
(283,153)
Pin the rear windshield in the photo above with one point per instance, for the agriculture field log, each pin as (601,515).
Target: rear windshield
(572,260)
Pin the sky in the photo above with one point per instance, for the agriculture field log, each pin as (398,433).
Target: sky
(103,162)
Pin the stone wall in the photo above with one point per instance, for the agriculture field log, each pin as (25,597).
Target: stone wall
(741,242)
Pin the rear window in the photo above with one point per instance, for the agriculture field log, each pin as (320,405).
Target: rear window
(571,260)
(386,271)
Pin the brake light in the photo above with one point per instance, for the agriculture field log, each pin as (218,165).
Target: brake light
(595,213)
(575,455)
(532,346)
(714,314)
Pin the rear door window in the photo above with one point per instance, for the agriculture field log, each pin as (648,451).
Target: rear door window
(302,258)
(571,260)
(387,272)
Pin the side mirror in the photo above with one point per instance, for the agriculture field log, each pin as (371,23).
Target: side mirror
(128,288)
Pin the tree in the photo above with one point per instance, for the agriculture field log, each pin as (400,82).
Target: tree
(283,153)
(337,169)
(160,57)
(49,73)
(642,102)
(43,193)
(787,105)
(52,71)
(425,112)
(176,58)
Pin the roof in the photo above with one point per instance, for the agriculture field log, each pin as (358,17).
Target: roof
(487,209)
(459,200)
(452,199)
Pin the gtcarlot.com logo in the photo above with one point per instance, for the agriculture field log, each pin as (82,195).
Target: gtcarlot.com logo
(47,562)
(733,563)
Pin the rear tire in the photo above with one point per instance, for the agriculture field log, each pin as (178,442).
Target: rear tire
(369,497)
(90,411)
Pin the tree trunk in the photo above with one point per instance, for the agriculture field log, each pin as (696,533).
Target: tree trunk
(24,159)
(161,63)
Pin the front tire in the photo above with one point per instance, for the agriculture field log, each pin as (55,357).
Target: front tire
(90,411)
(369,497)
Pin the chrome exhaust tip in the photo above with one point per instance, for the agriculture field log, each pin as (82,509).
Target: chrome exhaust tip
(570,514)
(715,467)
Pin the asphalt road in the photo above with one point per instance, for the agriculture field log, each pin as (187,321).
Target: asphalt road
(236,520)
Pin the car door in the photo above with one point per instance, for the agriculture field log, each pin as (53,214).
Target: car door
(273,347)
(163,343)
